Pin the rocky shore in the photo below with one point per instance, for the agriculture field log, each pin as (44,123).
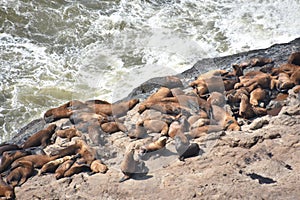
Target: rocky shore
(240,114)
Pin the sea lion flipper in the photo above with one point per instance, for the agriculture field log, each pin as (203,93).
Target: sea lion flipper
(124,178)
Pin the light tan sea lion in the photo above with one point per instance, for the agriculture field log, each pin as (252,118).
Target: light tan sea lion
(112,127)
(68,133)
(154,146)
(176,128)
(128,165)
(60,171)
(42,137)
(6,190)
(257,95)
(52,165)
(203,130)
(9,157)
(98,167)
(20,173)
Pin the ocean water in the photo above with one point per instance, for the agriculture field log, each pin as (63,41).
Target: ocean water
(52,51)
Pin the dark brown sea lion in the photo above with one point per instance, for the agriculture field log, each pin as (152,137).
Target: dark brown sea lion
(37,160)
(98,166)
(6,190)
(20,173)
(40,138)
(294,58)
(68,133)
(76,168)
(8,147)
(10,156)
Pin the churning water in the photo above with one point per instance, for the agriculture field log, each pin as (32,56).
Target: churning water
(52,51)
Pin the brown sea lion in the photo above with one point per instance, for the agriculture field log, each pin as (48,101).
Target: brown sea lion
(6,190)
(8,147)
(60,171)
(112,127)
(294,58)
(42,137)
(203,130)
(224,119)
(248,111)
(68,133)
(52,165)
(285,68)
(37,160)
(98,166)
(117,109)
(20,173)
(63,111)
(295,77)
(257,95)
(253,79)
(76,168)
(176,128)
(156,126)
(10,156)
(87,153)
(155,145)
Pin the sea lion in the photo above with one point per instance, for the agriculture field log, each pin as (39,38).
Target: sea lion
(57,113)
(68,133)
(60,171)
(42,137)
(20,173)
(128,165)
(294,58)
(216,98)
(248,111)
(185,149)
(295,77)
(37,160)
(76,168)
(6,190)
(52,165)
(117,109)
(156,126)
(8,147)
(112,127)
(176,128)
(10,156)
(254,79)
(223,118)
(204,130)
(257,95)
(155,145)
(97,166)
(80,116)
(87,153)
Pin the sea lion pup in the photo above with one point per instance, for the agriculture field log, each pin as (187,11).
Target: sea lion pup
(60,171)
(117,109)
(294,58)
(42,137)
(20,173)
(112,127)
(129,166)
(184,148)
(52,165)
(6,190)
(8,147)
(155,145)
(98,166)
(63,111)
(257,95)
(68,133)
(37,160)
(77,167)
(10,156)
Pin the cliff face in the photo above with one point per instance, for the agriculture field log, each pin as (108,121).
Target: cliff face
(259,161)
